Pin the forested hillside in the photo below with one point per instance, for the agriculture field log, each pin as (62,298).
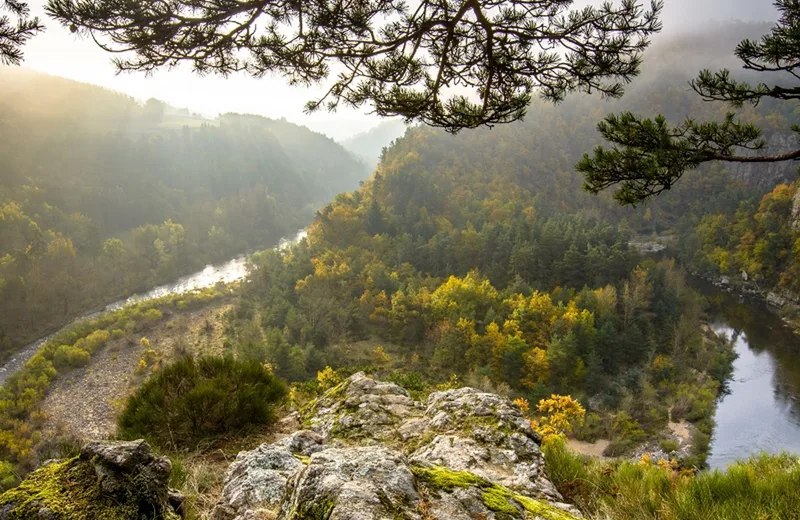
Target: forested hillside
(758,243)
(101,195)
(478,255)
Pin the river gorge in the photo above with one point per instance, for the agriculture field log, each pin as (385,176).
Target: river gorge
(759,411)
(226,272)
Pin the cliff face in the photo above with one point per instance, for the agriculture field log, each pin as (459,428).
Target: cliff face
(367,451)
(767,175)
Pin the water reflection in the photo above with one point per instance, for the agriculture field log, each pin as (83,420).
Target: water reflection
(761,411)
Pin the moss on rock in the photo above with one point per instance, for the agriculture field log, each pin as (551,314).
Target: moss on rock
(109,480)
(70,490)
(501,500)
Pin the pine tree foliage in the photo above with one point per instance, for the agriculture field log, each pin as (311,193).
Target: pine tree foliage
(16,28)
(648,156)
(454,64)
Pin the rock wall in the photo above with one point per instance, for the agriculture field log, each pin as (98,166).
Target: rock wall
(367,451)
(767,175)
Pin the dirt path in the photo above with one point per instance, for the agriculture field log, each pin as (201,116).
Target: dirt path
(86,401)
(592,449)
(682,431)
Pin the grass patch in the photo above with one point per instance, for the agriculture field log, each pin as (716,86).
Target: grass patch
(762,487)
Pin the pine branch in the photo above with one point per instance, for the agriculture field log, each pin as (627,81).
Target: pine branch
(401,61)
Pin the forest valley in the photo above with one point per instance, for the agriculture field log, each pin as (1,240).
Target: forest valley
(102,197)
(466,260)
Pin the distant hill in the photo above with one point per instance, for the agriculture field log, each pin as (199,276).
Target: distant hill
(102,195)
(323,161)
(369,145)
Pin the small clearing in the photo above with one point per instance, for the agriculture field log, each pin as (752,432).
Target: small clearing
(682,431)
(592,449)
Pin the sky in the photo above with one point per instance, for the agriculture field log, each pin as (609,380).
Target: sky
(61,53)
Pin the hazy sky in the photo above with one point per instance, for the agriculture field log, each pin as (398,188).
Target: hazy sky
(61,53)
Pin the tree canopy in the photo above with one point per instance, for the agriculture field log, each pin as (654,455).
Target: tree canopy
(648,156)
(455,64)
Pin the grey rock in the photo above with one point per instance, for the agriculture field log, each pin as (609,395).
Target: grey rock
(371,448)
(109,478)
(354,483)
(776,300)
(255,482)
(116,462)
(362,409)
(796,210)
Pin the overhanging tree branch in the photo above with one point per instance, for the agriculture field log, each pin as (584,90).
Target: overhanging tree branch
(647,156)
(454,64)
(15,30)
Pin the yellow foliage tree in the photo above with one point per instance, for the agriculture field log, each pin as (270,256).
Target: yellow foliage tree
(560,414)
(379,356)
(328,378)
(536,368)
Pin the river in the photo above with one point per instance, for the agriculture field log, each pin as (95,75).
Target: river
(230,271)
(761,411)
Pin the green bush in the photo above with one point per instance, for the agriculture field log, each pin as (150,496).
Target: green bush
(191,401)
(668,445)
(8,475)
(67,356)
(152,315)
(93,341)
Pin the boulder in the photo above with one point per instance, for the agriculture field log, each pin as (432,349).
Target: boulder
(373,453)
(255,482)
(108,480)
(354,483)
(361,409)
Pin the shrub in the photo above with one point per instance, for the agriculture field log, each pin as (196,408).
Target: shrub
(67,356)
(191,401)
(93,341)
(668,445)
(152,315)
(411,381)
(117,334)
(327,378)
(8,475)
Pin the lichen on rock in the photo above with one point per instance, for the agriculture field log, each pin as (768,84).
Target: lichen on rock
(108,480)
(464,454)
(361,409)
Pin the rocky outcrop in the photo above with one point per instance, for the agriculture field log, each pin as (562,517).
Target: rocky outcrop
(109,480)
(370,452)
